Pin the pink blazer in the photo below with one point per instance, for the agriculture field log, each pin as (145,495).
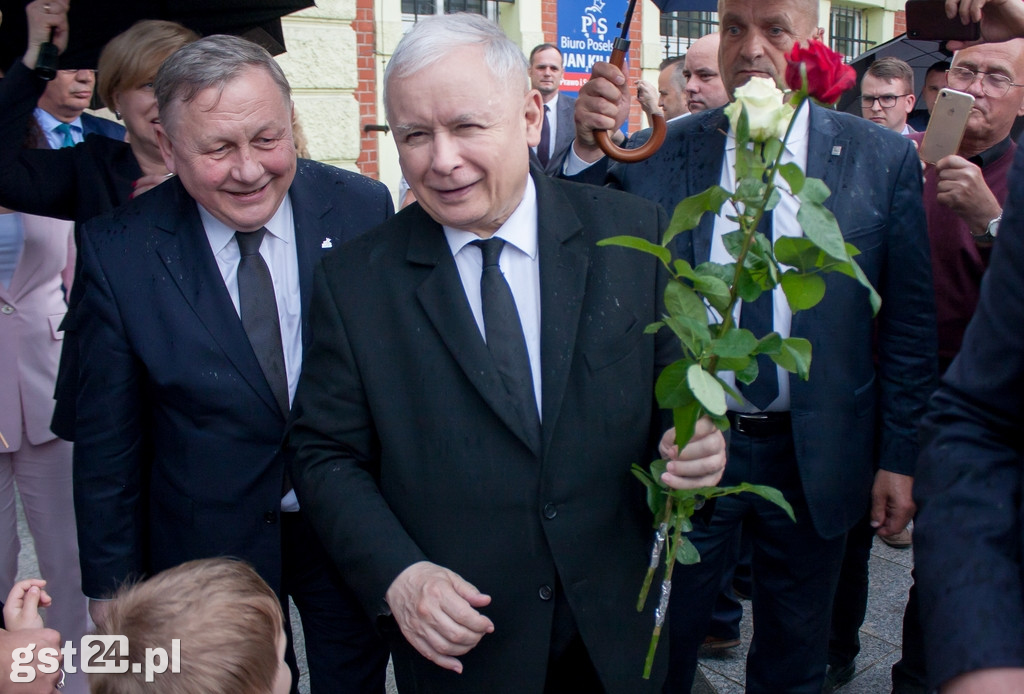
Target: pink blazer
(31,310)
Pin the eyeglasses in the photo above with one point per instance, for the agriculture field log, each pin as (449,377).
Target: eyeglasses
(887,101)
(992,84)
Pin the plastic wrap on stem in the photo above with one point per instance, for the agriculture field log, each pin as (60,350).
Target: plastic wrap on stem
(659,542)
(659,614)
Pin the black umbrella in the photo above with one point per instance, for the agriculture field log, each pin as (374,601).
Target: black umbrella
(94,22)
(687,5)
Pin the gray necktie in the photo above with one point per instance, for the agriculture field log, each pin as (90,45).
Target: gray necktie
(505,340)
(258,305)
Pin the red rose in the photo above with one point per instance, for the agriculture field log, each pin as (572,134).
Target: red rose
(827,75)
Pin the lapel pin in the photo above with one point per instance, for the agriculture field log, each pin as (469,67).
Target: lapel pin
(837,150)
(327,243)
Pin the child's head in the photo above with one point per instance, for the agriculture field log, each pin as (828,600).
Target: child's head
(228,623)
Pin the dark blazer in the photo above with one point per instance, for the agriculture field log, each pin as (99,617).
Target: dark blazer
(564,135)
(968,536)
(94,125)
(408,449)
(853,404)
(178,431)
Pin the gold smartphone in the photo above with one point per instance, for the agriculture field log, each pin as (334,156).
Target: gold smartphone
(946,125)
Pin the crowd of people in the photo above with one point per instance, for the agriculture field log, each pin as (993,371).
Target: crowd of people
(422,434)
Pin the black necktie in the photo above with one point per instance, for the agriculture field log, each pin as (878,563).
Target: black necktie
(544,148)
(258,305)
(505,340)
(758,317)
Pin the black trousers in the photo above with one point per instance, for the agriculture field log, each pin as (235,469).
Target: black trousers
(794,576)
(344,653)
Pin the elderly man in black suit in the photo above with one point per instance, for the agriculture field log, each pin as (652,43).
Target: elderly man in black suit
(194,320)
(815,440)
(479,385)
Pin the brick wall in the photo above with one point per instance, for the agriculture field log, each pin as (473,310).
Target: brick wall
(900,23)
(366,89)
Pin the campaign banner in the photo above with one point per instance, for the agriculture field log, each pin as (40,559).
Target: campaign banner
(586,30)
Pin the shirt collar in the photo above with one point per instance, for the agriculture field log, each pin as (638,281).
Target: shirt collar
(983,159)
(519,230)
(47,122)
(221,234)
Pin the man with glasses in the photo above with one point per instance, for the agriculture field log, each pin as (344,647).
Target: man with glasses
(887,94)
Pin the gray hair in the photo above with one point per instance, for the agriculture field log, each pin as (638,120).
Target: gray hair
(433,38)
(211,62)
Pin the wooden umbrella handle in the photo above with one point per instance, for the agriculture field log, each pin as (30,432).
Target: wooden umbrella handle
(629,156)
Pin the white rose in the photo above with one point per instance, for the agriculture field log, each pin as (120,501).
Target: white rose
(767,113)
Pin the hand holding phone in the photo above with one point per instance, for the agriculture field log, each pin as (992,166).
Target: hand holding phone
(927,21)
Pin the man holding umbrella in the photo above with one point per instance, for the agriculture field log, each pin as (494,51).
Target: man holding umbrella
(815,440)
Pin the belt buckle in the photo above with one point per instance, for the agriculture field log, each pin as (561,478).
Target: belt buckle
(743,419)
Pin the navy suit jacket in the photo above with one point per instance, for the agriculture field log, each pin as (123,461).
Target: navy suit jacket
(869,378)
(969,532)
(177,455)
(409,448)
(94,125)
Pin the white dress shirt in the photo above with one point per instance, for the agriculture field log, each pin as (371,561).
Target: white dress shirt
(279,251)
(48,123)
(784,224)
(519,264)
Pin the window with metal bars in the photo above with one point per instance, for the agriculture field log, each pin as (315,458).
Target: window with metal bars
(848,27)
(680,29)
(414,9)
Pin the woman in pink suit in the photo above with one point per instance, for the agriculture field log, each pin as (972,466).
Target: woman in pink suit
(36,264)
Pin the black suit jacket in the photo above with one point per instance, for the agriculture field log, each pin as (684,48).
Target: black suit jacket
(869,378)
(177,455)
(969,532)
(408,449)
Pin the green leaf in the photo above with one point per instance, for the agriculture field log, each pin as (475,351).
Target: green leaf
(681,300)
(798,252)
(803,291)
(814,190)
(730,389)
(747,288)
(652,328)
(733,242)
(693,334)
(715,290)
(794,176)
(764,491)
(722,272)
(706,389)
(639,244)
(671,388)
(685,421)
(769,344)
(686,553)
(771,149)
(682,268)
(795,356)
(689,211)
(748,374)
(873,297)
(821,227)
(735,343)
(773,200)
(733,363)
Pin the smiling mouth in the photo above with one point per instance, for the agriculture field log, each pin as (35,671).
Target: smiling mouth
(249,193)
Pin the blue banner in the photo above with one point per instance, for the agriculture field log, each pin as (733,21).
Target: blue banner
(586,29)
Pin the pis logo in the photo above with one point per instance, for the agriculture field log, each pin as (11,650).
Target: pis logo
(592,24)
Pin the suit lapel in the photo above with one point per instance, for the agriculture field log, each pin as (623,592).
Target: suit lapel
(185,251)
(564,256)
(706,149)
(312,239)
(444,300)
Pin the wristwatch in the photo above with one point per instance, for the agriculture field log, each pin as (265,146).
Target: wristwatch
(991,231)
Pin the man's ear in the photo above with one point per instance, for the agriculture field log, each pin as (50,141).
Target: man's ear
(166,147)
(911,100)
(819,33)
(533,110)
